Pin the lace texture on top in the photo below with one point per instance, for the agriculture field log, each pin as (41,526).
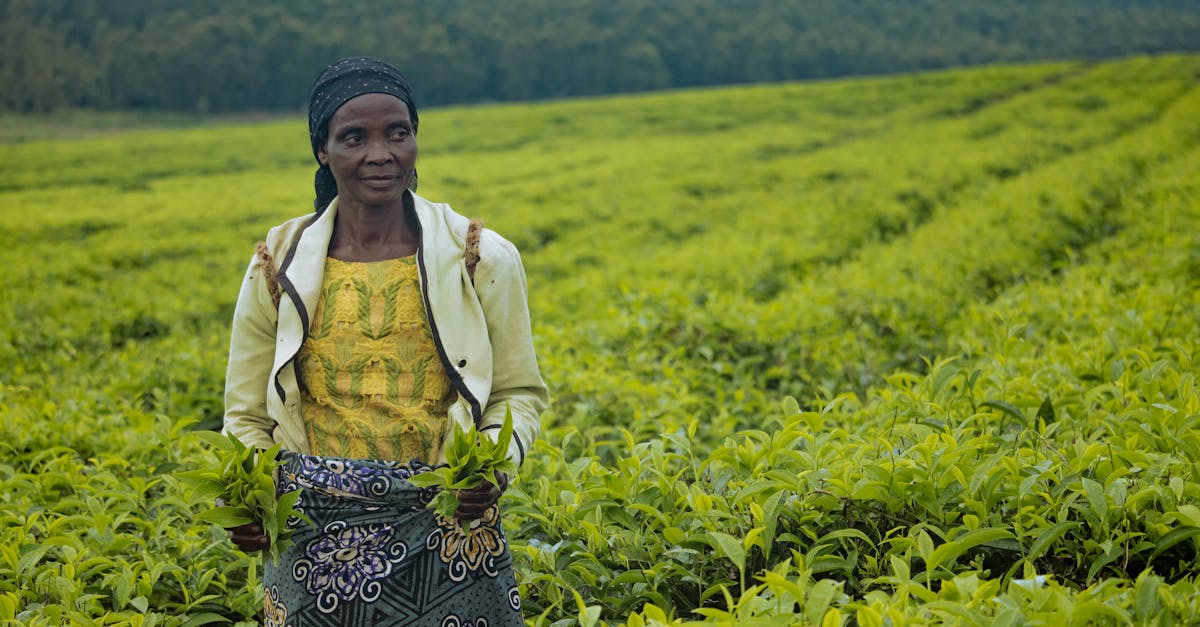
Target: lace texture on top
(371,382)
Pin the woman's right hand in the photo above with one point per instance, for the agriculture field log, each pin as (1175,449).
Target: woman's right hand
(249,537)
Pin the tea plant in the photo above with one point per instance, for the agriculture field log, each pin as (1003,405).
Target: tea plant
(908,349)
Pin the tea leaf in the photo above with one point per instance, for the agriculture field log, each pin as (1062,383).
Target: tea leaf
(1048,537)
(1173,537)
(1046,411)
(727,546)
(227,516)
(204,618)
(950,550)
(1006,408)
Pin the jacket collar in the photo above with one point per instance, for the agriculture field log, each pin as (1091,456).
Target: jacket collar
(303,268)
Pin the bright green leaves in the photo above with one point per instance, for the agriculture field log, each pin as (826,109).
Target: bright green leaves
(989,331)
(471,459)
(244,479)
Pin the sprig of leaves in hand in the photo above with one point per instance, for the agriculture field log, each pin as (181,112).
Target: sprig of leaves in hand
(244,480)
(471,459)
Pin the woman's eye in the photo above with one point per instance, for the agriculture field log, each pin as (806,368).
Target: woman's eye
(353,140)
(399,135)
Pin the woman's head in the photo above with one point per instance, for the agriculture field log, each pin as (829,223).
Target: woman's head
(339,83)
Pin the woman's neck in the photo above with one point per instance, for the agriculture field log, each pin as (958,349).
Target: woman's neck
(372,234)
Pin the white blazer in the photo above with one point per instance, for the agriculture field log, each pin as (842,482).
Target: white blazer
(481,330)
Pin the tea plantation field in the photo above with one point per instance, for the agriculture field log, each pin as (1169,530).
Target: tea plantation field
(884,351)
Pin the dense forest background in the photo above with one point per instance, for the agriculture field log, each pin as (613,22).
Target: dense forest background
(232,55)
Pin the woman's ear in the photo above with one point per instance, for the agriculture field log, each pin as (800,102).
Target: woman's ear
(322,155)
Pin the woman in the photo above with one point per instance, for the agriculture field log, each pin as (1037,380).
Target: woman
(363,333)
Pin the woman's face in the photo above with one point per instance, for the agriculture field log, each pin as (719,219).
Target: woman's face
(371,150)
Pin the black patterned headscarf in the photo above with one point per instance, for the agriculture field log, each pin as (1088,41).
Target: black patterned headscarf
(337,84)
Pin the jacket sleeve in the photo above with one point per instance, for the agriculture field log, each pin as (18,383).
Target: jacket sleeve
(516,382)
(251,356)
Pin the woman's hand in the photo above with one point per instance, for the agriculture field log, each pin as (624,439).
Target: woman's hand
(249,537)
(474,502)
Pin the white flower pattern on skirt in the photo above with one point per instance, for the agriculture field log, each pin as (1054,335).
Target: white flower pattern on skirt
(346,563)
(368,552)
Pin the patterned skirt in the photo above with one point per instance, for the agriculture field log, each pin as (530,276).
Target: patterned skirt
(375,555)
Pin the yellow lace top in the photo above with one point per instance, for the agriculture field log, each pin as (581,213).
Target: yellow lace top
(371,382)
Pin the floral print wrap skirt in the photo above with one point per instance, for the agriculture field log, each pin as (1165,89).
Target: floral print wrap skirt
(375,555)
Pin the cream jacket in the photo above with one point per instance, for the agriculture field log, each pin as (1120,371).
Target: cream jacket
(482,331)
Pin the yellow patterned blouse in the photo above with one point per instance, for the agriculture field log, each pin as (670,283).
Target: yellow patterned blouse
(371,382)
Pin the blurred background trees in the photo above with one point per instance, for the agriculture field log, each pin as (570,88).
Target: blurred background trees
(233,56)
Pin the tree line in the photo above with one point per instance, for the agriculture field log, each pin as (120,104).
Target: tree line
(231,56)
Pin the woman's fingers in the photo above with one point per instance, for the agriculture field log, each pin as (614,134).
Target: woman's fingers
(249,537)
(474,502)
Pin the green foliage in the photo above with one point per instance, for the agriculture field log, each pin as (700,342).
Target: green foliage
(108,535)
(914,349)
(225,55)
(244,482)
(471,460)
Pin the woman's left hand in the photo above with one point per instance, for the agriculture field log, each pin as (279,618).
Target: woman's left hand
(474,502)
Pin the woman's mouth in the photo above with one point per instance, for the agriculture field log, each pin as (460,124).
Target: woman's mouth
(379,181)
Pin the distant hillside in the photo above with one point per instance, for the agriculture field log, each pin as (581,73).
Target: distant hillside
(227,55)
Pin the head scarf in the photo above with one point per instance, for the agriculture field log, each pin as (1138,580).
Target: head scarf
(337,84)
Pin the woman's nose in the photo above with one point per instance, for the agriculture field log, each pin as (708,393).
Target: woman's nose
(377,152)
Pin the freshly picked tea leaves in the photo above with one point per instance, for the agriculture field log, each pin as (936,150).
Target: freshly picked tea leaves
(244,482)
(471,460)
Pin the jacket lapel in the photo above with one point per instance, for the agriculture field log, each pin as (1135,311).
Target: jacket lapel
(448,292)
(300,275)
(308,265)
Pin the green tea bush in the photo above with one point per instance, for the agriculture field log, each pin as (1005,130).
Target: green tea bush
(912,349)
